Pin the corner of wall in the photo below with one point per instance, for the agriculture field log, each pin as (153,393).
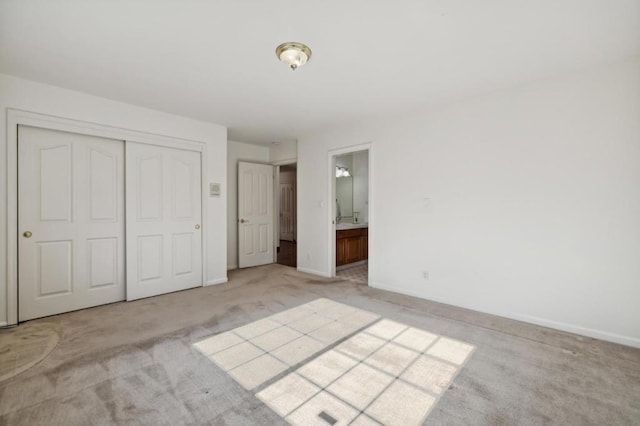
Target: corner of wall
(216,281)
(283,152)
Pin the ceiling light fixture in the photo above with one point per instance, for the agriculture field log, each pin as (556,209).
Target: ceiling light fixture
(342,172)
(293,54)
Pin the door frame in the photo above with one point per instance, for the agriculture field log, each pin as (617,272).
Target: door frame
(17,117)
(276,205)
(293,209)
(331,206)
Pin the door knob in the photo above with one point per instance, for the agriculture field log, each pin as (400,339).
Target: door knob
(27,234)
(197,226)
(243,221)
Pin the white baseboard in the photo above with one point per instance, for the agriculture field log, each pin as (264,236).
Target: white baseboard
(3,323)
(217,281)
(313,272)
(556,325)
(230,267)
(584,331)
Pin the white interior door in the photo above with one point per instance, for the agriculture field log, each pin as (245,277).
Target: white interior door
(255,214)
(287,205)
(70,221)
(164,236)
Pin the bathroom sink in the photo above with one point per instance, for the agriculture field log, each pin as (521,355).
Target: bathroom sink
(342,226)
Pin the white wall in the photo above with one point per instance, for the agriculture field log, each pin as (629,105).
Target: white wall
(36,97)
(523,203)
(238,151)
(283,152)
(345,161)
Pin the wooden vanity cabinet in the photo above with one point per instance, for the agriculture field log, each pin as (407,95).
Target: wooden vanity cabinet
(365,244)
(340,243)
(351,245)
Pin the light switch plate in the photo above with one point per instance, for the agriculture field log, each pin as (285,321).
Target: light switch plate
(214,189)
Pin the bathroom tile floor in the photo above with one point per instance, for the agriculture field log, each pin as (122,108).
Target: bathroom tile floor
(358,274)
(325,362)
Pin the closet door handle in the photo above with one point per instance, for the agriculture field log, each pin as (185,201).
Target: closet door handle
(27,234)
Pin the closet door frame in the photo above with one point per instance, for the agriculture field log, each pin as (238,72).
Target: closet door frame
(16,117)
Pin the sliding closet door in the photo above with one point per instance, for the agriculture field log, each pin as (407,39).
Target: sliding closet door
(164,235)
(71,222)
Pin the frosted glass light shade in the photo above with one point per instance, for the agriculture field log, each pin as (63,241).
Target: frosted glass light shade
(293,54)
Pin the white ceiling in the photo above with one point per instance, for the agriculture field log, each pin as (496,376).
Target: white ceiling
(214,60)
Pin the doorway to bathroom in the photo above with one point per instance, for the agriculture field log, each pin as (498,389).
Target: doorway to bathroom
(350,214)
(287,215)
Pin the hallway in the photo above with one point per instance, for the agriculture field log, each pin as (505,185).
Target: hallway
(287,254)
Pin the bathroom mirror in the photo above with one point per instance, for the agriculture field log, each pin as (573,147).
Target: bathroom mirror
(344,197)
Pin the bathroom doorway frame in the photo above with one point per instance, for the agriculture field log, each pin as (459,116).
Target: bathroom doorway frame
(331,206)
(276,207)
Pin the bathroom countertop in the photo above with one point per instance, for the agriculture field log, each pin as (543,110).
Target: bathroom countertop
(342,226)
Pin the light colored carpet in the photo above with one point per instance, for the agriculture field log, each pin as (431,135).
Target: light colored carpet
(24,346)
(137,363)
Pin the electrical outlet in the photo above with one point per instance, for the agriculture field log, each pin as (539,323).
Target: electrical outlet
(425,275)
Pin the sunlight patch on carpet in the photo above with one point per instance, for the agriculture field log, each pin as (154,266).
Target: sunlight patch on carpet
(257,352)
(328,363)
